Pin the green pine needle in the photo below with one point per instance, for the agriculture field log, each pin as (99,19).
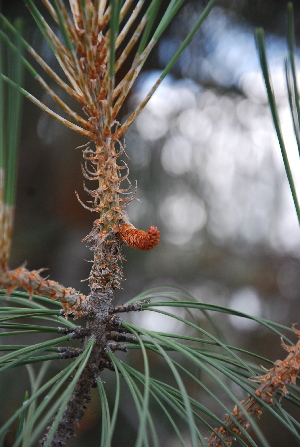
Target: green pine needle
(188,38)
(151,14)
(113,30)
(62,27)
(260,40)
(39,21)
(10,100)
(106,422)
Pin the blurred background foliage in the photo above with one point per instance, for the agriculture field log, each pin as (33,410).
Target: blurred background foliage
(209,175)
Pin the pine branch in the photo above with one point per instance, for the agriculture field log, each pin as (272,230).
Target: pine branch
(283,373)
(95,39)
